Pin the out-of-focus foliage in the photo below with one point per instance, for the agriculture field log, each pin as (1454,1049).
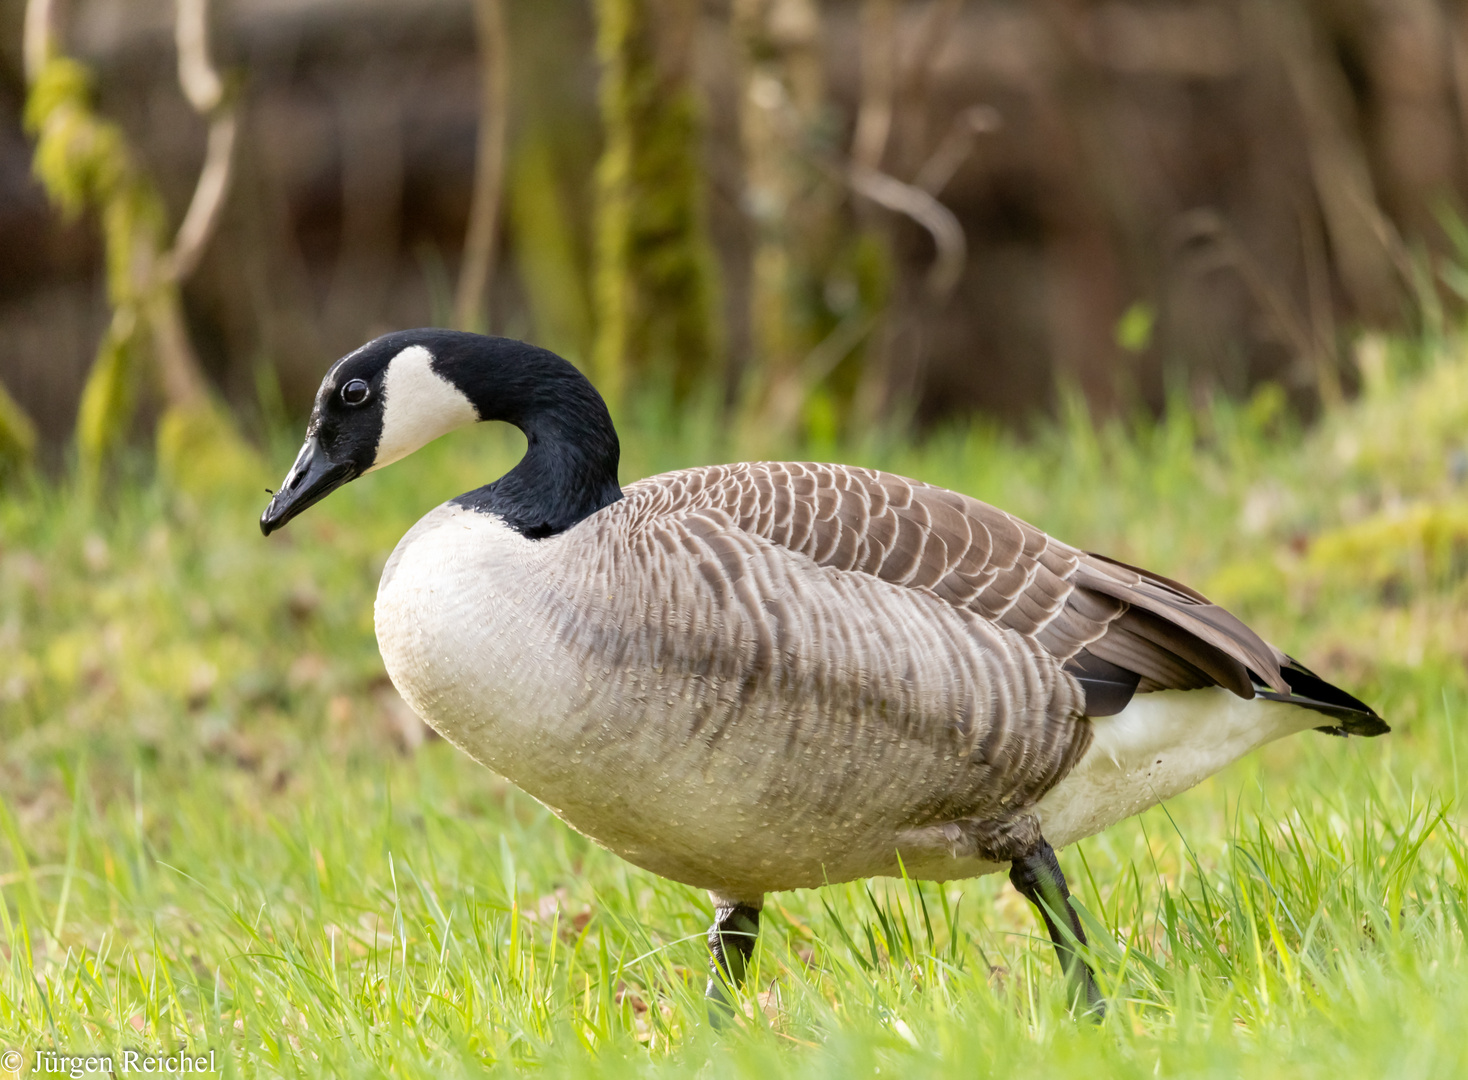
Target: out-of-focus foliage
(1098,160)
(110,393)
(17,433)
(82,159)
(200,450)
(85,163)
(794,192)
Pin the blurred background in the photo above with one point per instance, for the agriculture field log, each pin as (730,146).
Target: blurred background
(815,213)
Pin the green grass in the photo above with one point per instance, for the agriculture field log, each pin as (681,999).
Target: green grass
(218,828)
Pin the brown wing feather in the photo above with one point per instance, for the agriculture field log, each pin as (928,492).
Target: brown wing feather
(975,556)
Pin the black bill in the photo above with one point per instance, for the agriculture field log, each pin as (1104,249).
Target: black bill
(313,477)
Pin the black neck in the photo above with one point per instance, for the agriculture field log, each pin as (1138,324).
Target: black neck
(569,470)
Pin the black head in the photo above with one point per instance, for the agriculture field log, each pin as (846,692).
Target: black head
(401,391)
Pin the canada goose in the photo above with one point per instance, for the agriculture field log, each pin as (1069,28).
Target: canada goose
(771,676)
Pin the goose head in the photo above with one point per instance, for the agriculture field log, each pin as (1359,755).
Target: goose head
(401,391)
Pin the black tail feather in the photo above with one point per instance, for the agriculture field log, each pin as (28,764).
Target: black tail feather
(1310,691)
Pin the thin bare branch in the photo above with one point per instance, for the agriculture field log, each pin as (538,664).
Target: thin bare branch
(783,408)
(196,75)
(878,82)
(42,18)
(209,193)
(476,271)
(204,88)
(956,146)
(184,385)
(926,211)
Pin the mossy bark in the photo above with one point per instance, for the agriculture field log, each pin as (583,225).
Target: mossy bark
(84,162)
(551,268)
(655,278)
(791,201)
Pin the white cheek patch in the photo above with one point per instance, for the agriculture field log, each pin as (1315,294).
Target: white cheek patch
(419,405)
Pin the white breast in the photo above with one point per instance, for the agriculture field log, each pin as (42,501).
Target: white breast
(453,634)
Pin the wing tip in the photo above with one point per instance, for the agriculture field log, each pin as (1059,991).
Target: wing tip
(1309,691)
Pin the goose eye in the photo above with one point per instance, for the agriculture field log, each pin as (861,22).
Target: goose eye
(355,392)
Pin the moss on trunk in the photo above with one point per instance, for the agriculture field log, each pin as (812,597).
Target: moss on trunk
(84,161)
(655,278)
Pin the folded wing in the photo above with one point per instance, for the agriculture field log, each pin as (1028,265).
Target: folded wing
(1118,629)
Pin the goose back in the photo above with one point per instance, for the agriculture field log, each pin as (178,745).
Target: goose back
(1080,608)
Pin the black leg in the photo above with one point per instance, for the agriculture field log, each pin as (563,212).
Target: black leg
(731,944)
(1037,876)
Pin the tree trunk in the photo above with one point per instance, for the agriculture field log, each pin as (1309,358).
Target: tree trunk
(792,205)
(476,271)
(654,284)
